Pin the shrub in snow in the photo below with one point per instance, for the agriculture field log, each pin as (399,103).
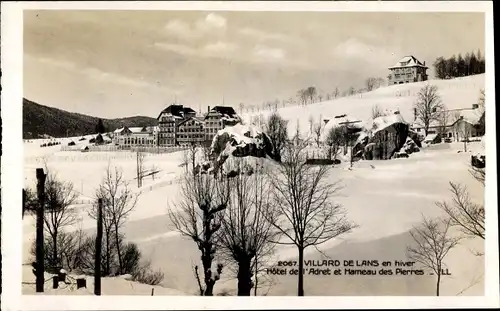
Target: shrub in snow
(71,143)
(146,275)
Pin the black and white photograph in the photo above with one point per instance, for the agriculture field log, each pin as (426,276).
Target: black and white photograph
(210,151)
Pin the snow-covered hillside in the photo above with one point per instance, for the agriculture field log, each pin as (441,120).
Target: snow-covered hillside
(385,198)
(455,93)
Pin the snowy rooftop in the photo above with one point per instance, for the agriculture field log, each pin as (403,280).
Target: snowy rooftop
(383,122)
(408,61)
(137,129)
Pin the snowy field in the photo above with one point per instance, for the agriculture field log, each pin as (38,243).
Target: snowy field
(385,198)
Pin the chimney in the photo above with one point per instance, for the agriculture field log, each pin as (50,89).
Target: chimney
(208,109)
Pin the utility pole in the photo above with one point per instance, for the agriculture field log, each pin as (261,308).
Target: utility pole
(98,249)
(40,176)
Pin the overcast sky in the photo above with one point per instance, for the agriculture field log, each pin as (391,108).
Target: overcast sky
(124,63)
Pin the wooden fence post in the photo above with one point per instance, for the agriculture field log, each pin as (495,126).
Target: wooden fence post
(40,271)
(98,249)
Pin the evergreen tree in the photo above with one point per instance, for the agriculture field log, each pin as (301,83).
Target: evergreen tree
(440,68)
(461,66)
(453,65)
(473,64)
(100,127)
(467,64)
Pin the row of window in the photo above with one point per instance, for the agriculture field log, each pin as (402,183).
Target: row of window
(191,130)
(403,76)
(166,135)
(138,141)
(182,136)
(167,141)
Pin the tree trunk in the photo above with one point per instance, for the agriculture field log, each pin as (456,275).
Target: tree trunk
(108,254)
(244,277)
(207,272)
(438,281)
(301,275)
(54,249)
(256,277)
(118,250)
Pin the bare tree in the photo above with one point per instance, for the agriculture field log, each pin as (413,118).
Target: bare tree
(463,129)
(351,91)
(311,93)
(302,96)
(303,211)
(376,111)
(432,244)
(478,173)
(370,84)
(317,130)
(336,92)
(464,214)
(245,233)
(118,201)
(277,130)
(59,211)
(428,106)
(140,167)
(311,124)
(197,216)
(444,120)
(333,141)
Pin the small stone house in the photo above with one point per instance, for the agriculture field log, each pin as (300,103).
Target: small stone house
(388,135)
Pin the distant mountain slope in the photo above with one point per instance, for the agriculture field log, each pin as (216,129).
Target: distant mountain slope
(39,120)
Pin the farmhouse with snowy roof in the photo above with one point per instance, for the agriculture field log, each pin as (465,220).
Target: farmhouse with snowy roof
(454,124)
(408,70)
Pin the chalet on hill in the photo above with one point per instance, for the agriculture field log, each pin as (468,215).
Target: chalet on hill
(407,70)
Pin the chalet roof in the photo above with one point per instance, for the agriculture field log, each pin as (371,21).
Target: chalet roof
(137,129)
(119,130)
(225,111)
(407,62)
(197,119)
(177,111)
